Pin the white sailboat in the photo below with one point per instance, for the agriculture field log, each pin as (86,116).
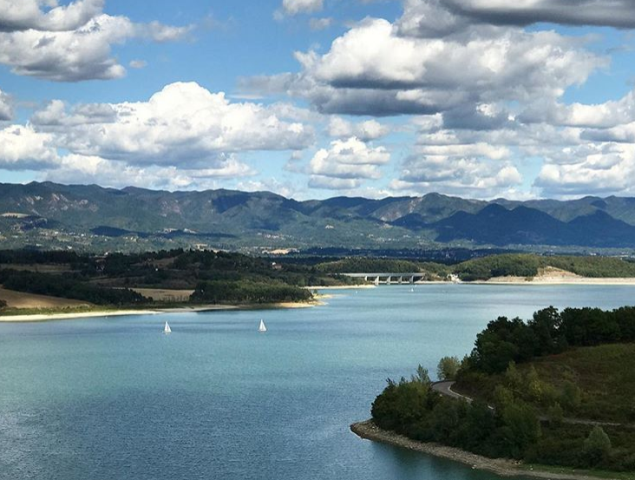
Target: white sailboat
(262,327)
(167,328)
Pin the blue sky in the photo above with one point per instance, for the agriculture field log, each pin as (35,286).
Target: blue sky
(318,98)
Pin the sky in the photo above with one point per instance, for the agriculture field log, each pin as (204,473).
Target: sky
(322,98)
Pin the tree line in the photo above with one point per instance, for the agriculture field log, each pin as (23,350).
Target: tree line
(68,286)
(548,332)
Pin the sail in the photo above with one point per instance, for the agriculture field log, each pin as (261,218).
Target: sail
(167,328)
(262,327)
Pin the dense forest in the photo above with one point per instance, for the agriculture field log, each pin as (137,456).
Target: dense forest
(529,379)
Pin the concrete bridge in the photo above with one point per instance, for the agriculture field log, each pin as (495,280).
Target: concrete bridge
(388,278)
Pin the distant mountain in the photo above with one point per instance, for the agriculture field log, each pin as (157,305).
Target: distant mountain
(50,215)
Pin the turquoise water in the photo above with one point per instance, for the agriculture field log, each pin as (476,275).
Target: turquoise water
(114,398)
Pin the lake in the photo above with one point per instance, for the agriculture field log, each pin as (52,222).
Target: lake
(115,398)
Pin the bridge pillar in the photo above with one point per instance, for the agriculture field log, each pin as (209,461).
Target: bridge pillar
(400,280)
(412,279)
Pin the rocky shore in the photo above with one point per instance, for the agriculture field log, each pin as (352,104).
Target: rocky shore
(506,468)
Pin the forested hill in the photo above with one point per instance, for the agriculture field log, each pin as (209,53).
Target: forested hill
(52,215)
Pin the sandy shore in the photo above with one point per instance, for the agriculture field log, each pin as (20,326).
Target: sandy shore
(547,281)
(342,287)
(44,317)
(506,468)
(74,315)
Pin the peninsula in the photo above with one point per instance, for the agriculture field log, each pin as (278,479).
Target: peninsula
(551,397)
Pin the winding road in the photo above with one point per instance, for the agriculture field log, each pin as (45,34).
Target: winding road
(445,388)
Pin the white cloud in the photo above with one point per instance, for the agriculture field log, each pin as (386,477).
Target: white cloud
(184,136)
(183,125)
(29,14)
(23,148)
(138,64)
(350,159)
(368,130)
(294,7)
(81,54)
(593,169)
(330,183)
(85,169)
(596,116)
(375,70)
(475,169)
(317,24)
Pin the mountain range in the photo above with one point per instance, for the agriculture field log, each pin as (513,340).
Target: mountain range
(54,215)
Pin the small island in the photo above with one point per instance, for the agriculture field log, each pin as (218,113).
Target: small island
(551,397)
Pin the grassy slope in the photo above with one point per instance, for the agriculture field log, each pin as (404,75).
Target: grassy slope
(605,374)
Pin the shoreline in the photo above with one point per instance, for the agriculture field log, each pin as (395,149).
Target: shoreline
(547,282)
(342,287)
(503,467)
(70,315)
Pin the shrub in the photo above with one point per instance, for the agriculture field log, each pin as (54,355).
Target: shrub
(448,368)
(597,446)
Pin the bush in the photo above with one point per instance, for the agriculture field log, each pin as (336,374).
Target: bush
(597,446)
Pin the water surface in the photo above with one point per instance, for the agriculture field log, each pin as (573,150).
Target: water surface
(114,398)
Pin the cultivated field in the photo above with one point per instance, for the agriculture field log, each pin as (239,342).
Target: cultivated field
(32,301)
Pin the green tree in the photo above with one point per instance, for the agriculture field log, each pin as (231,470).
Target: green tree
(521,428)
(555,415)
(448,368)
(513,378)
(597,445)
(422,376)
(571,397)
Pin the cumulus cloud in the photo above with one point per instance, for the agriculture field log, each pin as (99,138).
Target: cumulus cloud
(6,107)
(182,125)
(294,7)
(348,160)
(80,54)
(83,169)
(374,70)
(457,175)
(368,130)
(23,148)
(589,169)
(434,18)
(184,136)
(47,15)
(617,13)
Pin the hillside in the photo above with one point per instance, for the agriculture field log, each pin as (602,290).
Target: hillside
(90,217)
(555,390)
